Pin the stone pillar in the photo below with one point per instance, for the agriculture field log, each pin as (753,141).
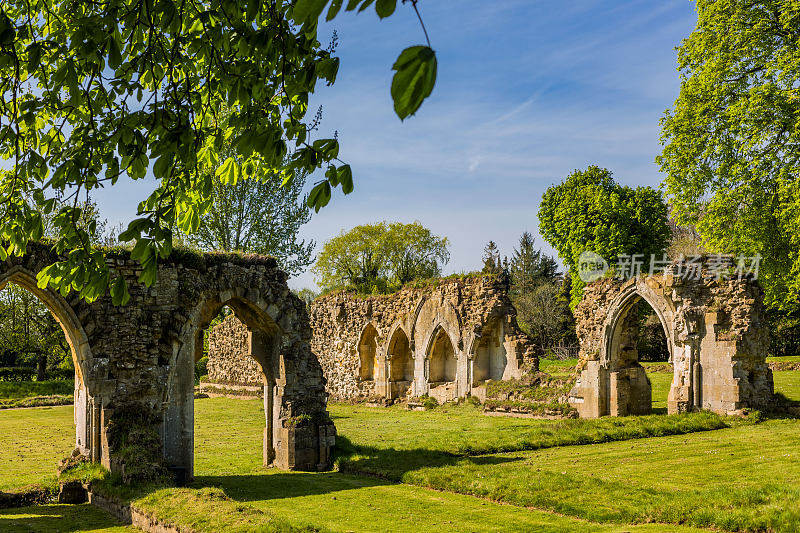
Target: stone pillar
(590,394)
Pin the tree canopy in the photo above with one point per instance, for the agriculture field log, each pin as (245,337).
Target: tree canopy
(380,257)
(257,215)
(590,211)
(732,141)
(92,93)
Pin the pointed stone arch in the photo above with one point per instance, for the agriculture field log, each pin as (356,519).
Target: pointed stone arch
(368,343)
(718,363)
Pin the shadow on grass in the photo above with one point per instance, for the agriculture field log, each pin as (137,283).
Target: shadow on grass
(389,463)
(381,466)
(62,518)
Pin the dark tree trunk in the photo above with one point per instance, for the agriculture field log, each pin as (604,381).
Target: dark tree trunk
(41,367)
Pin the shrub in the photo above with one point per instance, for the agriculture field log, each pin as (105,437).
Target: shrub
(429,403)
(17,373)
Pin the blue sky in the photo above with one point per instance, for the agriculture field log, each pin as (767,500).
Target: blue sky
(527,91)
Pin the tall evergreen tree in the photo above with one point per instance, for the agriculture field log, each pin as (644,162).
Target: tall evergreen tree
(491,259)
(529,267)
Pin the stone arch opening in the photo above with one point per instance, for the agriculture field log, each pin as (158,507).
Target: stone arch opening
(490,359)
(636,334)
(262,338)
(367,353)
(442,363)
(86,406)
(401,363)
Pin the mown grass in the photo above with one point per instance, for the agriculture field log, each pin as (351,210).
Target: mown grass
(61,518)
(741,479)
(462,430)
(233,492)
(33,441)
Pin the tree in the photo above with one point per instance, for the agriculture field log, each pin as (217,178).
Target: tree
(413,252)
(491,259)
(95,92)
(380,257)
(529,267)
(544,317)
(732,141)
(258,215)
(307,295)
(590,211)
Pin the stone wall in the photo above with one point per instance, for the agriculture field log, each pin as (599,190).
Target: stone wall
(230,360)
(716,334)
(135,363)
(457,331)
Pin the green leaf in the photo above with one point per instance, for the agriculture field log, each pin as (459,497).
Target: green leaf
(365,5)
(414,79)
(308,10)
(119,292)
(319,196)
(385,8)
(345,176)
(352,4)
(34,56)
(114,53)
(331,175)
(336,5)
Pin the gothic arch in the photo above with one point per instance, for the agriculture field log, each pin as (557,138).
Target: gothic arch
(623,303)
(63,314)
(719,363)
(368,344)
(400,356)
(441,355)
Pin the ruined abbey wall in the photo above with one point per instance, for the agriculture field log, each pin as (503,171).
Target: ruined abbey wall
(716,334)
(134,363)
(443,339)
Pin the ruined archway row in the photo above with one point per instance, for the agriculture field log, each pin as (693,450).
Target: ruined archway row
(135,363)
(716,336)
(445,340)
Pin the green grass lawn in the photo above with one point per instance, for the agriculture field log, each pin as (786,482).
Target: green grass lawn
(785,359)
(32,442)
(60,518)
(743,477)
(35,393)
(12,390)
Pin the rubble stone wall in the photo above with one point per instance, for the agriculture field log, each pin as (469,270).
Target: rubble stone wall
(716,334)
(135,363)
(382,348)
(472,317)
(231,361)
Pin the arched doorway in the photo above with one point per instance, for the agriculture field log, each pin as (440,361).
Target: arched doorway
(490,359)
(401,364)
(367,350)
(441,358)
(263,343)
(56,323)
(637,334)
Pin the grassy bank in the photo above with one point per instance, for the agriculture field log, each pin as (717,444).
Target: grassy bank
(14,394)
(739,479)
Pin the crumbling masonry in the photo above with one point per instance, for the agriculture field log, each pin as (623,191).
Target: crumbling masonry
(443,339)
(715,332)
(134,364)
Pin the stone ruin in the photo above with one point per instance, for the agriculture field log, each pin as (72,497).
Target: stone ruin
(134,364)
(443,339)
(716,335)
